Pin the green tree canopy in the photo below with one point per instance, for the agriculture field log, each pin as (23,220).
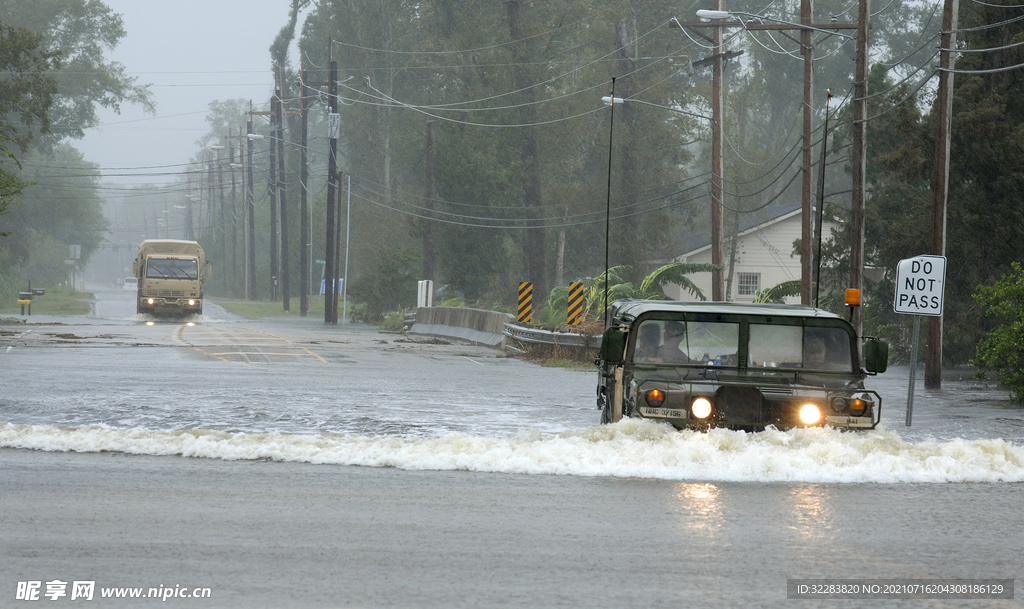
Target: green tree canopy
(78,32)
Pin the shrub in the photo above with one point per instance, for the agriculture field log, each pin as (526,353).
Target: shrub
(1002,349)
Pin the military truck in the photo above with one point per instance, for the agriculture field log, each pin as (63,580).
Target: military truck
(170,274)
(738,366)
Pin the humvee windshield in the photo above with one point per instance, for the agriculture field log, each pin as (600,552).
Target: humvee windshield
(773,346)
(692,342)
(172,268)
(717,344)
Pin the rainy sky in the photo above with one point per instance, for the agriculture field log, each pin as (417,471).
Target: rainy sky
(192,52)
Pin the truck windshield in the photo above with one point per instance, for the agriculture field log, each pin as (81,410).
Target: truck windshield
(773,346)
(172,268)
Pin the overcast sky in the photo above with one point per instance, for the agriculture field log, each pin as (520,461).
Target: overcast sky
(192,52)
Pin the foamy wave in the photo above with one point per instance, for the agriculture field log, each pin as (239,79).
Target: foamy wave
(630,448)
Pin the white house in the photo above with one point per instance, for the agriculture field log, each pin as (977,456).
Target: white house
(762,258)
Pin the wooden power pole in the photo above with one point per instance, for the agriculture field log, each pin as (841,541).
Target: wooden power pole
(940,181)
(806,205)
(858,159)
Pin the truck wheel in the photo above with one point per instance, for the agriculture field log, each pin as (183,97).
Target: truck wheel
(606,413)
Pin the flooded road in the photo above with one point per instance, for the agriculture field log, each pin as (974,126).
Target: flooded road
(487,481)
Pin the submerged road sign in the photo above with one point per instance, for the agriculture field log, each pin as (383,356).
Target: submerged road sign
(920,283)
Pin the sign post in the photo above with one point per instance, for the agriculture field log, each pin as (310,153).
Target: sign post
(920,284)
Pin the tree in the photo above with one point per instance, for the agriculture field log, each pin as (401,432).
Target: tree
(78,32)
(10,185)
(26,92)
(390,286)
(28,86)
(54,77)
(1002,349)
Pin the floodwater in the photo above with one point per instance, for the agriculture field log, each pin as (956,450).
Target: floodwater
(502,464)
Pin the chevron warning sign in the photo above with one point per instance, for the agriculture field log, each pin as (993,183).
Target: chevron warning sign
(575,315)
(525,302)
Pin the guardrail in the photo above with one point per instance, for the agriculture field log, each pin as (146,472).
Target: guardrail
(537,336)
(512,331)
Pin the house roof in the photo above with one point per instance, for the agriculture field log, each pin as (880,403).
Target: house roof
(749,222)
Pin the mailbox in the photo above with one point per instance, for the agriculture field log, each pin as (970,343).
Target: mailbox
(25,299)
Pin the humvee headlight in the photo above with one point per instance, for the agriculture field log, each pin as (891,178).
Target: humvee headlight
(191,303)
(701,408)
(838,404)
(655,397)
(150,301)
(858,407)
(809,414)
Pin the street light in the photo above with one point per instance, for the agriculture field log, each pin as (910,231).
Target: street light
(621,100)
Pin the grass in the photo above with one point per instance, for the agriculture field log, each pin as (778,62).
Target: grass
(558,362)
(255,309)
(60,300)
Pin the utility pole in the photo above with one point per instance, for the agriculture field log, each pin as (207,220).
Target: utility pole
(806,205)
(337,254)
(858,159)
(429,254)
(304,238)
(807,43)
(234,217)
(272,189)
(251,208)
(717,162)
(285,293)
(332,175)
(940,181)
(223,223)
(209,189)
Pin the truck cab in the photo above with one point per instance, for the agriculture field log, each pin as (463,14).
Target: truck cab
(738,366)
(170,277)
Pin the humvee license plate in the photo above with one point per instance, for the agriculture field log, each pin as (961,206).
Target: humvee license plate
(841,421)
(663,413)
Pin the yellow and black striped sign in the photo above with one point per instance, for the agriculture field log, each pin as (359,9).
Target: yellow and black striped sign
(525,302)
(575,303)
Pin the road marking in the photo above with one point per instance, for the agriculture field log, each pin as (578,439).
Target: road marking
(247,345)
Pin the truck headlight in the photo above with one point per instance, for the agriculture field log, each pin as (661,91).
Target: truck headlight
(150,301)
(701,408)
(191,303)
(810,414)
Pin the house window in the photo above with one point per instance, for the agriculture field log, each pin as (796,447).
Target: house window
(749,284)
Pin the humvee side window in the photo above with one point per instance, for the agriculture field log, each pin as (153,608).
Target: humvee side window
(648,342)
(813,348)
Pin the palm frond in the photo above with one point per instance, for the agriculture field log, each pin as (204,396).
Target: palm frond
(779,293)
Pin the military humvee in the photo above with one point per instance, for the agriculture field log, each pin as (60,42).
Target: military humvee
(738,366)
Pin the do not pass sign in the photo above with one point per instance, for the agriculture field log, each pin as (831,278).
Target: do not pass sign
(920,283)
